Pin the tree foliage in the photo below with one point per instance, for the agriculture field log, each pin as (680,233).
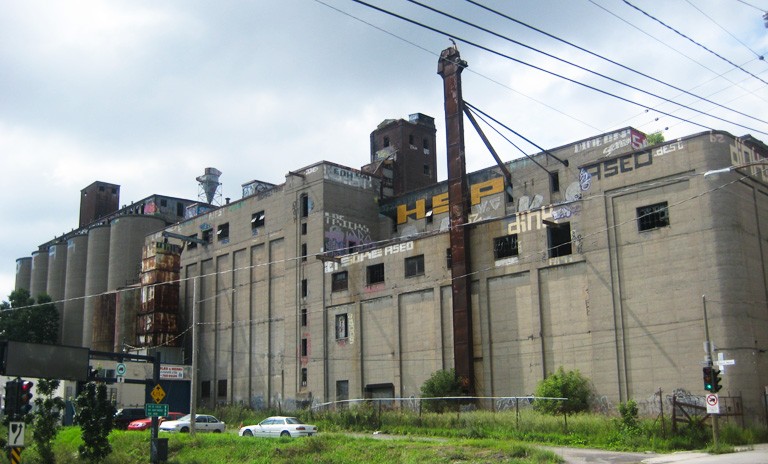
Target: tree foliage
(96,415)
(25,320)
(654,138)
(441,383)
(570,385)
(46,418)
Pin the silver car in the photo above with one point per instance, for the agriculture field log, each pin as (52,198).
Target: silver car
(203,423)
(278,426)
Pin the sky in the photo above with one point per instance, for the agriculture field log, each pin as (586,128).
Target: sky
(147,94)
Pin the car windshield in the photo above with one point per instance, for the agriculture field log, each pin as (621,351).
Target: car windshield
(184,418)
(292,420)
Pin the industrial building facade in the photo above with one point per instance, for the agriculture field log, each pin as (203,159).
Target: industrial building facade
(324,288)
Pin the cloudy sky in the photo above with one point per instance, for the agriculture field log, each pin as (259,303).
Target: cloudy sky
(147,94)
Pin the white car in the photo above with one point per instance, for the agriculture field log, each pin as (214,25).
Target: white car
(278,426)
(203,423)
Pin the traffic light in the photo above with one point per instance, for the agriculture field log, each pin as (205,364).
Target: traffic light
(716,381)
(25,397)
(11,403)
(708,378)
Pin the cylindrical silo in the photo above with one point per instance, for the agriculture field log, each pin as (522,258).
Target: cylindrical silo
(96,268)
(57,275)
(126,243)
(23,273)
(39,281)
(74,290)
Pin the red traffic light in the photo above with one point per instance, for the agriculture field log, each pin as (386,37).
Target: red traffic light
(25,396)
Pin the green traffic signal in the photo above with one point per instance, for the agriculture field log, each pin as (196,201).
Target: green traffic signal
(708,378)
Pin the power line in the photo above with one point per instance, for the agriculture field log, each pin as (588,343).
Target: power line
(552,73)
(759,56)
(596,55)
(694,42)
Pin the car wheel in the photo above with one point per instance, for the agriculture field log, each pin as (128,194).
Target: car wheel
(184,430)
(247,433)
(217,431)
(285,433)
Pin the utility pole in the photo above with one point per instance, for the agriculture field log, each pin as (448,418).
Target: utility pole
(193,386)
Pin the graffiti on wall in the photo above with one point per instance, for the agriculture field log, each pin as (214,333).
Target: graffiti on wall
(348,177)
(744,154)
(342,234)
(534,219)
(438,203)
(363,256)
(614,141)
(619,165)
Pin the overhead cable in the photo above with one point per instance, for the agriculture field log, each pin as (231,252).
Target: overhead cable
(552,73)
(694,42)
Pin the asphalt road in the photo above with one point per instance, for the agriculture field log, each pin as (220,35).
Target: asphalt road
(757,454)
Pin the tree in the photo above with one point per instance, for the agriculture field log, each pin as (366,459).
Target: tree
(46,418)
(570,385)
(95,414)
(654,138)
(24,320)
(442,383)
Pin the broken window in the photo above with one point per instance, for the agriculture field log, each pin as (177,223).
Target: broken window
(208,235)
(414,266)
(652,216)
(559,238)
(221,388)
(374,274)
(303,251)
(304,375)
(304,346)
(304,199)
(222,232)
(554,181)
(190,244)
(304,317)
(304,288)
(505,247)
(339,281)
(341,326)
(257,220)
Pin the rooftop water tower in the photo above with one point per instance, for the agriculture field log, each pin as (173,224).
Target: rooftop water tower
(209,185)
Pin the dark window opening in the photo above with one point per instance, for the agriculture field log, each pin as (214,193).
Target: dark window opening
(342,390)
(304,205)
(221,388)
(191,245)
(304,288)
(427,170)
(386,142)
(163,202)
(303,251)
(222,232)
(180,209)
(339,281)
(652,216)
(304,346)
(559,238)
(304,317)
(410,139)
(205,389)
(101,188)
(375,274)
(303,228)
(414,266)
(554,181)
(257,220)
(425,144)
(341,326)
(505,247)
(351,245)
(304,376)
(448,258)
(208,235)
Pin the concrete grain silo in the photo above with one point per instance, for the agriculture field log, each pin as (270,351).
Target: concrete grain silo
(96,269)
(57,275)
(125,251)
(39,281)
(74,290)
(23,273)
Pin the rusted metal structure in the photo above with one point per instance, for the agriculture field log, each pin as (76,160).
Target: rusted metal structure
(450,67)
(157,322)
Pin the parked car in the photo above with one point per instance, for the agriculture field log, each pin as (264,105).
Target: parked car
(203,423)
(125,416)
(278,426)
(144,424)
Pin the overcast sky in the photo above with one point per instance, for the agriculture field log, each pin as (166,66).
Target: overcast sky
(147,94)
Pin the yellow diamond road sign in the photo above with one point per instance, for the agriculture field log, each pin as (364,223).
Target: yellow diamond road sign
(158,393)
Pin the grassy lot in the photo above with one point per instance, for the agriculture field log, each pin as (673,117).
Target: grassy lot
(466,437)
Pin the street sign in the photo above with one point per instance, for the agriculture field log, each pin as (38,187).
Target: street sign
(155,410)
(171,372)
(16,434)
(157,393)
(713,404)
(120,370)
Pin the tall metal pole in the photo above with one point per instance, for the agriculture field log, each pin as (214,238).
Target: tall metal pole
(715,428)
(450,67)
(193,387)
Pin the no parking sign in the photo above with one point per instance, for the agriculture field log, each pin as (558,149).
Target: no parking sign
(713,404)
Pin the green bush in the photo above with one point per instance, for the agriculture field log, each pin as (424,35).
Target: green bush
(440,384)
(571,386)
